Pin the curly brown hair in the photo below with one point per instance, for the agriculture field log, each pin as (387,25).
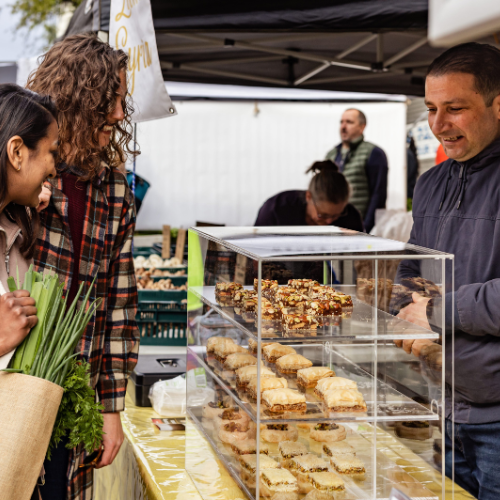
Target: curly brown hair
(82,74)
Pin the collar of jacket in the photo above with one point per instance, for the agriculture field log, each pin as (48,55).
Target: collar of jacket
(353,145)
(482,159)
(96,181)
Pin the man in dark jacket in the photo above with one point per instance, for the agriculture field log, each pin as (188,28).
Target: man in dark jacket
(456,209)
(363,164)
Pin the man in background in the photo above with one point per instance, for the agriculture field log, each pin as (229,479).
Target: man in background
(363,164)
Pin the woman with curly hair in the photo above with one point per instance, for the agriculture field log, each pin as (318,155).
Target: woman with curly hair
(87,232)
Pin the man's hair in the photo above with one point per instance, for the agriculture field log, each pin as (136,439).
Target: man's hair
(478,59)
(82,74)
(361,115)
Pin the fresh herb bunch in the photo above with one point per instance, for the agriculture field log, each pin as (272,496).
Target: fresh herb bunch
(79,415)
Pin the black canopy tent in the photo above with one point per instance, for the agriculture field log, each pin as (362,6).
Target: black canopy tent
(358,46)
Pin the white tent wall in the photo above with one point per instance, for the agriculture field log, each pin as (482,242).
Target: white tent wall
(219,161)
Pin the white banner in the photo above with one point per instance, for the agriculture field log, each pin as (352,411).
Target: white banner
(131,30)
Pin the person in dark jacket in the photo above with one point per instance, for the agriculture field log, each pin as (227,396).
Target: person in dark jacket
(363,164)
(456,209)
(326,202)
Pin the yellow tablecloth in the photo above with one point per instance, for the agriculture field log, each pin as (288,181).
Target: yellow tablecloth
(150,465)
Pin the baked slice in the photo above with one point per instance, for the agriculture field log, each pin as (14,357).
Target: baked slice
(239,295)
(279,400)
(249,463)
(323,307)
(239,418)
(213,342)
(328,482)
(277,480)
(325,384)
(239,360)
(273,352)
(326,432)
(214,409)
(309,377)
(290,449)
(291,363)
(249,447)
(227,289)
(235,431)
(297,321)
(303,285)
(222,351)
(266,384)
(271,313)
(345,464)
(282,291)
(344,400)
(276,433)
(247,373)
(266,285)
(253,344)
(308,463)
(338,448)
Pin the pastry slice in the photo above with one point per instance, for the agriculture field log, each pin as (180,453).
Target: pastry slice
(213,342)
(325,384)
(273,352)
(323,307)
(327,482)
(290,449)
(328,431)
(240,419)
(309,377)
(222,351)
(227,289)
(248,447)
(235,431)
(303,285)
(270,313)
(345,464)
(249,463)
(214,409)
(239,360)
(299,321)
(267,286)
(279,400)
(252,343)
(266,384)
(303,465)
(247,373)
(338,448)
(344,400)
(277,480)
(291,363)
(276,433)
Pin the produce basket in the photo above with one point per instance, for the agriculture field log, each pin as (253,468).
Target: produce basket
(162,322)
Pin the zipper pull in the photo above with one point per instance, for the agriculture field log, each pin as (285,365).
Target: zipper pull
(7,260)
(460,175)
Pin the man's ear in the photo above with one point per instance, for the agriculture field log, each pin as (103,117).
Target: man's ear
(308,196)
(496,106)
(15,151)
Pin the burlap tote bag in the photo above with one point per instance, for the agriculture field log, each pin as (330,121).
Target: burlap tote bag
(28,410)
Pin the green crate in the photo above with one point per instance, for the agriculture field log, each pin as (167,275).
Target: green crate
(162,323)
(145,251)
(162,295)
(176,280)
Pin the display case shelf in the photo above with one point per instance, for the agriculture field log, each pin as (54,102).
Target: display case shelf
(389,475)
(365,322)
(391,404)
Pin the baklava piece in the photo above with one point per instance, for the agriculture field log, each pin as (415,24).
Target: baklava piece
(328,432)
(253,344)
(344,464)
(327,482)
(342,400)
(277,481)
(297,321)
(280,400)
(213,342)
(232,415)
(247,373)
(289,450)
(325,384)
(338,448)
(276,433)
(239,360)
(273,352)
(235,431)
(309,377)
(222,351)
(303,465)
(249,463)
(266,384)
(291,363)
(249,447)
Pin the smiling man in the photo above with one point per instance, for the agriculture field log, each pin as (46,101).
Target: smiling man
(456,209)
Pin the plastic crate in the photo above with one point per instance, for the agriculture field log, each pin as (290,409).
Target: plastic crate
(145,251)
(162,323)
(176,280)
(162,295)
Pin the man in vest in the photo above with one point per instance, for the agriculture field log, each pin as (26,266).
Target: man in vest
(363,164)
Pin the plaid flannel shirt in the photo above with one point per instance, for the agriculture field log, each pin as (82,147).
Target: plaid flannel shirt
(111,342)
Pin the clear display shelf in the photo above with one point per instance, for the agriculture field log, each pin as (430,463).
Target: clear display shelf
(364,322)
(390,404)
(381,476)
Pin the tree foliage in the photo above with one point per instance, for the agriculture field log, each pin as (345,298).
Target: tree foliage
(43,13)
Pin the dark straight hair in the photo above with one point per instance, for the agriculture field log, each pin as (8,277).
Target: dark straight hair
(28,115)
(328,184)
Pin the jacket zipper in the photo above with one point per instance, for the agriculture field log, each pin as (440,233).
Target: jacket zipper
(9,248)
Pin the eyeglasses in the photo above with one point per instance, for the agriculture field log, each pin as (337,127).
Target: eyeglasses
(322,216)
(92,459)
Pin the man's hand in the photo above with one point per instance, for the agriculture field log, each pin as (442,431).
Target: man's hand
(18,313)
(112,439)
(44,198)
(416,313)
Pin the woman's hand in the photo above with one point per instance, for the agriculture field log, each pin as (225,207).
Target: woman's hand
(112,439)
(44,198)
(18,313)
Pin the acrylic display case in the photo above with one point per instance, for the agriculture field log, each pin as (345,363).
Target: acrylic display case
(344,403)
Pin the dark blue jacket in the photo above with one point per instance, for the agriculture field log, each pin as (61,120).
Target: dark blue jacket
(456,209)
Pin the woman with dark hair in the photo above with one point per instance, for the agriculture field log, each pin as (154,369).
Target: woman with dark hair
(326,202)
(87,232)
(28,145)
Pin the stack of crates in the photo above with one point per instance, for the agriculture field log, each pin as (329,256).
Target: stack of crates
(162,314)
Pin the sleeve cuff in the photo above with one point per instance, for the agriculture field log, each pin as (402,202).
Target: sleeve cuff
(112,394)
(435,318)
